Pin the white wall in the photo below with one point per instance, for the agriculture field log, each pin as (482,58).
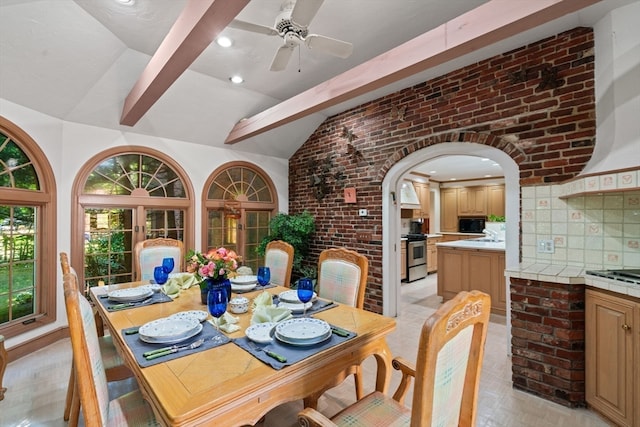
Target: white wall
(69,145)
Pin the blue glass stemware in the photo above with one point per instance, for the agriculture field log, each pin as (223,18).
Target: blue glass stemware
(305,292)
(264,275)
(160,275)
(168,264)
(217,304)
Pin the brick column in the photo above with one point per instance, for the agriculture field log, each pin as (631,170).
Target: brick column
(547,327)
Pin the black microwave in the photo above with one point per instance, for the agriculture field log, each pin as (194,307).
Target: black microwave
(471,225)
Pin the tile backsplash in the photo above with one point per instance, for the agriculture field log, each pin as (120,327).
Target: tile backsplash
(595,231)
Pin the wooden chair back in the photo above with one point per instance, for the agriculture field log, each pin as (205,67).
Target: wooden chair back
(149,253)
(449,362)
(279,258)
(342,276)
(90,374)
(64,262)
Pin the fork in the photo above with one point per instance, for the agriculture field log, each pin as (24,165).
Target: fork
(256,347)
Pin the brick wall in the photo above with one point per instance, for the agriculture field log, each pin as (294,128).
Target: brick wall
(535,103)
(547,328)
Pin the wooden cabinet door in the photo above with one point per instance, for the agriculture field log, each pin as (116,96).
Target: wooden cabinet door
(495,200)
(425,198)
(452,268)
(449,209)
(479,200)
(609,356)
(465,201)
(403,260)
(480,276)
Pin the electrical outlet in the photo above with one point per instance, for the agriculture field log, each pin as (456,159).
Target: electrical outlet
(546,246)
(363,212)
(363,236)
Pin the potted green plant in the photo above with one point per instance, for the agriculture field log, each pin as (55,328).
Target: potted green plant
(295,229)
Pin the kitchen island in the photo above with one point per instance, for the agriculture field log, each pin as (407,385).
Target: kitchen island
(464,265)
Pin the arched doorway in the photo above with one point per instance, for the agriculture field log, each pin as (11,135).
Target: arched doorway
(391,210)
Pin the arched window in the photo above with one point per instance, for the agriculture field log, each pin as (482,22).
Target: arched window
(125,197)
(28,230)
(239,201)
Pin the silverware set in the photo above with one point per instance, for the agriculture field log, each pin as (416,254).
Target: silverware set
(153,354)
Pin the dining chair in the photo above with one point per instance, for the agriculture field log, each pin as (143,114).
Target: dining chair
(149,253)
(278,257)
(114,366)
(4,360)
(129,409)
(342,277)
(446,374)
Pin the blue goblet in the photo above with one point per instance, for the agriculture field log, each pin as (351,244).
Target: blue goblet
(168,264)
(305,292)
(264,276)
(217,304)
(160,275)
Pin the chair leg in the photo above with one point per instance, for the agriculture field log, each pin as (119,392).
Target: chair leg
(70,391)
(74,415)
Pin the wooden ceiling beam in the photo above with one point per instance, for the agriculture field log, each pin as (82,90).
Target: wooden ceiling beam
(197,26)
(489,23)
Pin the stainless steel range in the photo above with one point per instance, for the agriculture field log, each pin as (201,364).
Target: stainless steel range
(416,256)
(628,275)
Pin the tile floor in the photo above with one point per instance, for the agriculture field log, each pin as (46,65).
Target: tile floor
(37,383)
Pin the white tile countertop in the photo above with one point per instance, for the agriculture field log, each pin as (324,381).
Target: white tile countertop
(571,275)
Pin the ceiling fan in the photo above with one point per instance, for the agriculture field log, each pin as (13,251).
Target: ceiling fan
(291,25)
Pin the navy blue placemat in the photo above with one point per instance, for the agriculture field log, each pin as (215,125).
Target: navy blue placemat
(139,347)
(291,352)
(157,297)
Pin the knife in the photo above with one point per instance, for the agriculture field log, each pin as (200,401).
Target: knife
(171,350)
(269,353)
(129,304)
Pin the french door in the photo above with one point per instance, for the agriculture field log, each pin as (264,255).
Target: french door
(111,233)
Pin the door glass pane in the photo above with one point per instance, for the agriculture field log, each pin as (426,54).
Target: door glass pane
(257,228)
(165,223)
(108,245)
(222,231)
(17,262)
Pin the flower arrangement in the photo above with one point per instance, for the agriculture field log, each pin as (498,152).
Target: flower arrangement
(218,264)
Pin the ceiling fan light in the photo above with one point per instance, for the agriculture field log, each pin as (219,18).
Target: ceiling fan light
(224,41)
(236,79)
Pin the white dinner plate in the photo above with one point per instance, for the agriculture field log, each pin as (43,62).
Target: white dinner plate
(243,288)
(260,332)
(305,330)
(201,315)
(176,340)
(169,328)
(130,294)
(295,307)
(311,341)
(292,297)
(244,280)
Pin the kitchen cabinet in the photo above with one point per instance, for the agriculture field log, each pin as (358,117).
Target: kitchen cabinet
(612,351)
(467,269)
(472,200)
(403,260)
(422,189)
(495,200)
(432,253)
(449,209)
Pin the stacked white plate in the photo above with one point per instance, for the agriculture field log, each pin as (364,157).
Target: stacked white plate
(303,332)
(200,315)
(130,294)
(170,330)
(260,332)
(243,283)
(289,299)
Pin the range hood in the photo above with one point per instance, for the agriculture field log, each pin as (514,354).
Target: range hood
(408,196)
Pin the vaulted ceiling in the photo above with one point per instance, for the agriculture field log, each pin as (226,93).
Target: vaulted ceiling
(78,60)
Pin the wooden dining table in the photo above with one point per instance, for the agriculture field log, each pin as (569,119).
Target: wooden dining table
(228,386)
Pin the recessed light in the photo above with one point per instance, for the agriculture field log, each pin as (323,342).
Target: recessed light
(452,179)
(487,176)
(126,2)
(236,79)
(484,159)
(432,172)
(224,41)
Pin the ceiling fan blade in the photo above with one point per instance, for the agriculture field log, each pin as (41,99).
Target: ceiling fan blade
(304,11)
(254,28)
(328,45)
(281,59)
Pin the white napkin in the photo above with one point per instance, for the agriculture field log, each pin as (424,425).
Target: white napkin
(171,288)
(226,323)
(178,283)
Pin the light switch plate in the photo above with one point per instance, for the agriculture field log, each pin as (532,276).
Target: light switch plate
(363,212)
(546,246)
